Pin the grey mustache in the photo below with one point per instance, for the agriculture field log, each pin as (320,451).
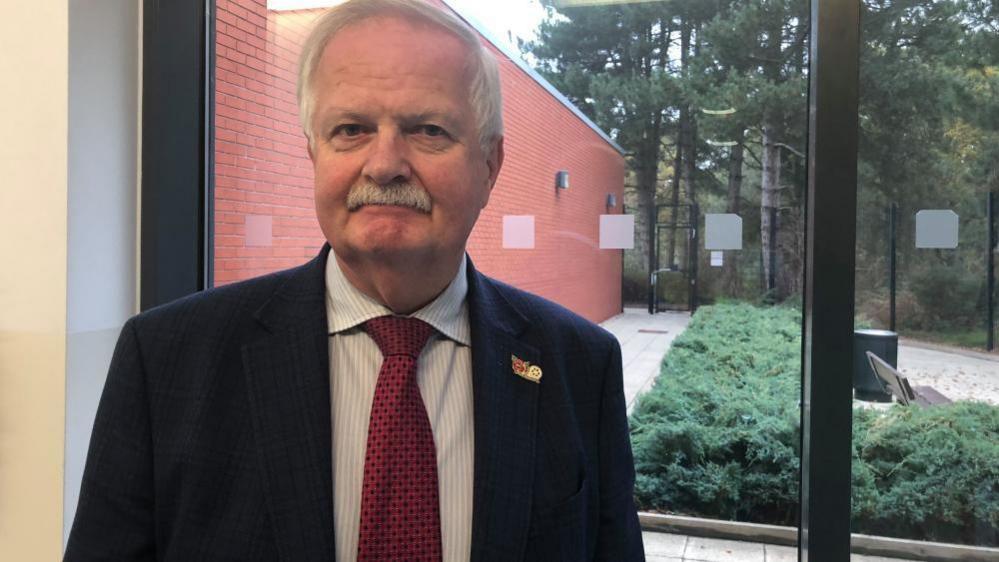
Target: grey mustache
(403,194)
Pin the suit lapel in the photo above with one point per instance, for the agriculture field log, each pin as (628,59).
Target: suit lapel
(287,371)
(505,418)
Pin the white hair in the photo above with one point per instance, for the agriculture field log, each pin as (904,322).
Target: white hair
(484,89)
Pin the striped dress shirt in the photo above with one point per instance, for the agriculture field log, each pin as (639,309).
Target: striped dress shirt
(444,375)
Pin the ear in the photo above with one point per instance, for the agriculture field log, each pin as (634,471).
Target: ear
(495,161)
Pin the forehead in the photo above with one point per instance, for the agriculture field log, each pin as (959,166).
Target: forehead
(394,50)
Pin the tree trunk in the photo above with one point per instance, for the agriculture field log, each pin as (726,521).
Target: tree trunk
(645,220)
(690,132)
(731,281)
(647,178)
(769,204)
(688,138)
(682,147)
(674,199)
(790,244)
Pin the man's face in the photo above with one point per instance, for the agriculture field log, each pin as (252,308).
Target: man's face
(392,114)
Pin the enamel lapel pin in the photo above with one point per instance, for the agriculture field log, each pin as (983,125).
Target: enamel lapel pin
(525,370)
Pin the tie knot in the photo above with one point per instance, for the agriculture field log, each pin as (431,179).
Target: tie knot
(398,335)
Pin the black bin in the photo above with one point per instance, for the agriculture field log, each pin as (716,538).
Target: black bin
(882,343)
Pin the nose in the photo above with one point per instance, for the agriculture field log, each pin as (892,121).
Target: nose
(387,160)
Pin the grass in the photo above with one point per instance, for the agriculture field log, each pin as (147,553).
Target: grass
(969,339)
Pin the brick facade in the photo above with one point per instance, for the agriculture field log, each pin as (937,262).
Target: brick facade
(264,211)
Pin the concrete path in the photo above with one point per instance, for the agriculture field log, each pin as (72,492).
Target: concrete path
(666,547)
(645,338)
(957,374)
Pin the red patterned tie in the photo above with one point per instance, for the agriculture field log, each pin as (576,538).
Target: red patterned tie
(400,512)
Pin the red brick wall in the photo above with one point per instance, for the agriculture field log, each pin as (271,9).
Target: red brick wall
(262,169)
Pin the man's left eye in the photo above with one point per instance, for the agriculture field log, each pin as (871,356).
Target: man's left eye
(432,130)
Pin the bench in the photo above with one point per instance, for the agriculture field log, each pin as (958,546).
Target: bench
(897,384)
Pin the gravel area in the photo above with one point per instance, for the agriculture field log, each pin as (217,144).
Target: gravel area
(956,374)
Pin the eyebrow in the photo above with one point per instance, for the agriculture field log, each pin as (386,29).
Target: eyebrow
(337,114)
(431,115)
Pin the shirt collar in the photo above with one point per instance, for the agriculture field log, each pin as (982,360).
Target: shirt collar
(347,307)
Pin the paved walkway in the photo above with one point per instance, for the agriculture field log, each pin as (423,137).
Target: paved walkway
(665,547)
(955,373)
(645,338)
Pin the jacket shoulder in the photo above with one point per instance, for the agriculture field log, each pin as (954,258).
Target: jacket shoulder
(242,298)
(552,317)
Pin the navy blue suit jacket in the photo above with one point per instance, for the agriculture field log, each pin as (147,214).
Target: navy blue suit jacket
(213,441)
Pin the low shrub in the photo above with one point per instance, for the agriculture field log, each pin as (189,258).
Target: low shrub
(634,287)
(927,473)
(718,436)
(948,298)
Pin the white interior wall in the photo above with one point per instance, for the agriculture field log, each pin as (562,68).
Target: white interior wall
(104,62)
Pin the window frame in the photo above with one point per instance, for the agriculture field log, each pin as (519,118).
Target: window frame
(177,186)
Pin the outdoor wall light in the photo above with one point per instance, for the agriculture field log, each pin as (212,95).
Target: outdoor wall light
(562,179)
(611,201)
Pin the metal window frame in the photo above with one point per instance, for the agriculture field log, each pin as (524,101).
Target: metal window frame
(178,193)
(178,79)
(828,296)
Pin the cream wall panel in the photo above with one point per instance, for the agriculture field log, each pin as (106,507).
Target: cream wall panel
(33,228)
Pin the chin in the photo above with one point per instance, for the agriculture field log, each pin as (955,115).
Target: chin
(391,245)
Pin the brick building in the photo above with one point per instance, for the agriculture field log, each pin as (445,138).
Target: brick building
(264,211)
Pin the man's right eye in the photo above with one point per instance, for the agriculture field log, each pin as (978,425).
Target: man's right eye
(349,130)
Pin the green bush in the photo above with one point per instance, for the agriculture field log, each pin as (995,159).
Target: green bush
(927,473)
(948,298)
(718,436)
(634,287)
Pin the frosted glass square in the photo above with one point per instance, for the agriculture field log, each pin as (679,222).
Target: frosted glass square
(722,231)
(518,232)
(617,232)
(259,230)
(936,228)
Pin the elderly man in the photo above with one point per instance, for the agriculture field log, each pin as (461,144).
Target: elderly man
(384,401)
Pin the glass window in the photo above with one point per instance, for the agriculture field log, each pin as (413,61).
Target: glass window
(925,430)
(672,124)
(708,101)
